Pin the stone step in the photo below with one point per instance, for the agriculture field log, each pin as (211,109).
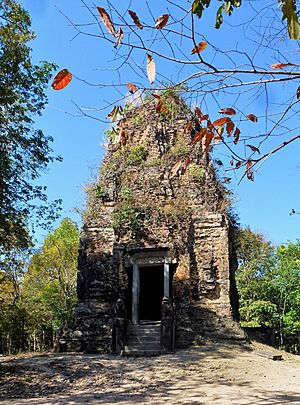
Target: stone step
(137,352)
(145,332)
(144,337)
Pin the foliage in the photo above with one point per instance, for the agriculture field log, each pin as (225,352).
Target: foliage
(24,150)
(195,171)
(38,297)
(136,156)
(128,218)
(268,282)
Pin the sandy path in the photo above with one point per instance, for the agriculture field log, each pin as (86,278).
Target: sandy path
(213,374)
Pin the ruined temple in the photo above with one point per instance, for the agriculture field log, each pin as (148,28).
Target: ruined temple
(156,260)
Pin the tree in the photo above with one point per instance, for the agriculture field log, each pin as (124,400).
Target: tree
(38,296)
(237,79)
(256,258)
(24,151)
(52,274)
(268,282)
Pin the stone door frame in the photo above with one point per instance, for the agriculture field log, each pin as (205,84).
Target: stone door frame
(147,259)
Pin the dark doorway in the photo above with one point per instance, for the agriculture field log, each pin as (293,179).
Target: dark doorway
(151,292)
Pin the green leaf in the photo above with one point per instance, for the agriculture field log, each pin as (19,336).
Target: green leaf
(198,6)
(289,13)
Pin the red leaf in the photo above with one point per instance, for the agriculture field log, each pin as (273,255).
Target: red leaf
(281,65)
(236,135)
(227,111)
(61,80)
(221,121)
(231,162)
(135,19)
(253,148)
(132,87)
(207,140)
(106,20)
(161,21)
(199,48)
(229,128)
(175,169)
(252,117)
(199,135)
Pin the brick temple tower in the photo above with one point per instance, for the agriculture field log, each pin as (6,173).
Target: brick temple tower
(156,261)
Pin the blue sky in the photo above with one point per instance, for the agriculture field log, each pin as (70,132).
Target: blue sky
(264,205)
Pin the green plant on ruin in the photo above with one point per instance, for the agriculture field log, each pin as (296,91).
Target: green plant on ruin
(136,156)
(111,134)
(100,191)
(153,162)
(126,194)
(128,218)
(180,149)
(195,171)
(138,121)
(173,102)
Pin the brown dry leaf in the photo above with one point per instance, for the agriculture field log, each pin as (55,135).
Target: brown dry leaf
(253,148)
(106,20)
(298,92)
(113,112)
(249,171)
(151,68)
(187,129)
(227,111)
(175,169)
(221,121)
(252,117)
(164,109)
(220,131)
(204,117)
(231,162)
(238,164)
(199,48)
(207,140)
(131,87)
(156,96)
(198,112)
(122,138)
(185,166)
(162,21)
(217,139)
(135,18)
(236,135)
(159,106)
(199,135)
(229,128)
(119,37)
(281,65)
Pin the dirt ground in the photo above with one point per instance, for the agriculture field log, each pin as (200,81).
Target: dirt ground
(216,373)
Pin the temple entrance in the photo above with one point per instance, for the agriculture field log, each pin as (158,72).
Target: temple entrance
(151,292)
